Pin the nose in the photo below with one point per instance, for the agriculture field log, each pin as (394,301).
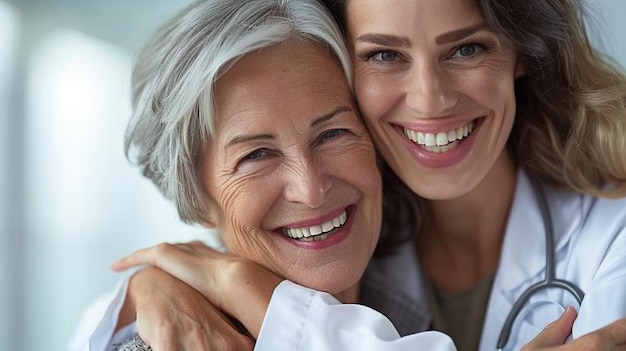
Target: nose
(429,90)
(307,183)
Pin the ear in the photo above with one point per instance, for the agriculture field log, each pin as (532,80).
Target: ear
(520,69)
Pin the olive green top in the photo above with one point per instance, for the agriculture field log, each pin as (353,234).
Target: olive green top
(461,315)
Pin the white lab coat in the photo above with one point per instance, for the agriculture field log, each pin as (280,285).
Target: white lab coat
(590,241)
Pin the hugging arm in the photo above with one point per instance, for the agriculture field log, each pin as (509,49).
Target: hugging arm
(170,315)
(166,312)
(311,320)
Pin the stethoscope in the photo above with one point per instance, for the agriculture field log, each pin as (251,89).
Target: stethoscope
(550,281)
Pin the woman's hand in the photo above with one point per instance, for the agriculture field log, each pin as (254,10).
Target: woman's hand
(171,315)
(224,279)
(611,337)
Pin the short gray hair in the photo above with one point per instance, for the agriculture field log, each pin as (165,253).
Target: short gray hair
(175,72)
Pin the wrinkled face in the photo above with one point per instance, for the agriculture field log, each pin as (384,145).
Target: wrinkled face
(292,169)
(435,86)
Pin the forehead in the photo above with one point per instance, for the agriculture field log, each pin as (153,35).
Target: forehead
(427,15)
(291,78)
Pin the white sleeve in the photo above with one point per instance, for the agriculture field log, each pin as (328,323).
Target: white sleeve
(302,319)
(97,322)
(605,299)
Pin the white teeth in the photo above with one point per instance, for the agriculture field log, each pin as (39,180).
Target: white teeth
(452,136)
(317,232)
(429,139)
(442,141)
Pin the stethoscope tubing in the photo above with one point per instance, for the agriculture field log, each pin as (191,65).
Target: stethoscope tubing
(549,281)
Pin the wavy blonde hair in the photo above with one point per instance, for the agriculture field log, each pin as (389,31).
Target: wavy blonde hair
(570,126)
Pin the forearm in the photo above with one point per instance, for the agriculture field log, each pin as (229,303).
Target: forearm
(247,293)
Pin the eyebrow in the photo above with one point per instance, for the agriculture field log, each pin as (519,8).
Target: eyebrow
(383,40)
(396,41)
(328,116)
(460,33)
(239,139)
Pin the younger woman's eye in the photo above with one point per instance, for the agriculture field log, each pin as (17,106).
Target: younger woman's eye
(383,56)
(468,50)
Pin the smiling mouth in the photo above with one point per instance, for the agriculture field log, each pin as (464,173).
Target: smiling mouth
(317,232)
(442,141)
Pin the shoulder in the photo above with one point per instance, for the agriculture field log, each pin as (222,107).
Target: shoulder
(584,212)
(587,226)
(603,213)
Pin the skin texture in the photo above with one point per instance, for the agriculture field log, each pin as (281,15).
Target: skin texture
(188,322)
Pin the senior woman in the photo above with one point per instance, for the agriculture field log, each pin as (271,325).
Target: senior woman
(244,118)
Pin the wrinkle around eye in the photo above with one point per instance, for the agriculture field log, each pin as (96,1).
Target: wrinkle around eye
(354,145)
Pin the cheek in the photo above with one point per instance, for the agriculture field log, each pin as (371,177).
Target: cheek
(361,168)
(492,89)
(243,212)
(373,95)
(243,235)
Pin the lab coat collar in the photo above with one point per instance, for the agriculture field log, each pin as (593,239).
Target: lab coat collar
(394,286)
(523,254)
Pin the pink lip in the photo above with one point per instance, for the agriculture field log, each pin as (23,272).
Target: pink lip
(443,159)
(332,240)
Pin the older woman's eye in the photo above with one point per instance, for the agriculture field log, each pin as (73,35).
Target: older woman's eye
(333,133)
(255,155)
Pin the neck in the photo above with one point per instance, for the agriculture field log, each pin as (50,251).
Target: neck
(350,295)
(461,239)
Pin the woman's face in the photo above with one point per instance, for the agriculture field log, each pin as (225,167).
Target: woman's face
(290,158)
(435,86)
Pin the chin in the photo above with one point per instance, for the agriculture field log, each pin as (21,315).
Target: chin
(330,281)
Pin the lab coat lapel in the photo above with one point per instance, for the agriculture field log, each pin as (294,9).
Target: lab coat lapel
(523,257)
(523,250)
(523,254)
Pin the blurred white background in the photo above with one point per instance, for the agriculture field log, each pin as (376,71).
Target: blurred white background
(70,203)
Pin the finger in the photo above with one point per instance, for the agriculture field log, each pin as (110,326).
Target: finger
(176,259)
(134,259)
(555,333)
(159,255)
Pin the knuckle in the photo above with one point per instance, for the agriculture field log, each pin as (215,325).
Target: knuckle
(593,341)
(163,248)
